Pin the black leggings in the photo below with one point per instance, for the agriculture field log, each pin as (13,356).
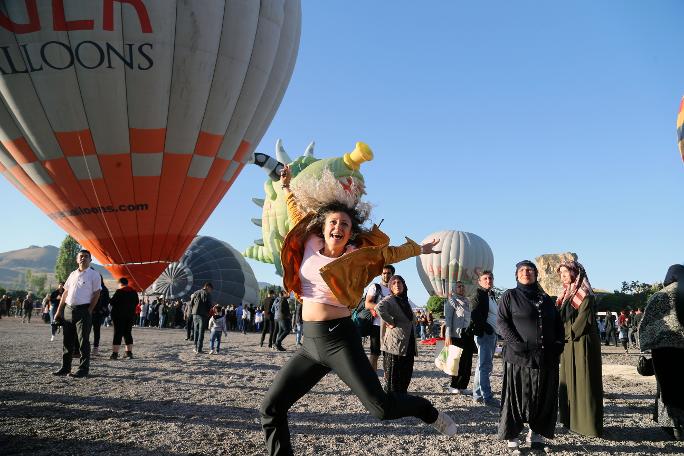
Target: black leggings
(122,329)
(331,345)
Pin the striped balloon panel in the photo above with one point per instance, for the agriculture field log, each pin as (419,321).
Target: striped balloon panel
(463,256)
(127,121)
(680,128)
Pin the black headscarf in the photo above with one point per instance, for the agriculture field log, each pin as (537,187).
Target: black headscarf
(531,291)
(402,298)
(675,273)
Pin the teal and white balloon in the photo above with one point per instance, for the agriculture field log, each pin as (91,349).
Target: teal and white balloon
(463,256)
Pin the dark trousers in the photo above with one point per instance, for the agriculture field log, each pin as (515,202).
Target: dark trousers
(188,327)
(465,365)
(200,325)
(97,324)
(283,330)
(332,345)
(77,325)
(122,330)
(269,327)
(611,332)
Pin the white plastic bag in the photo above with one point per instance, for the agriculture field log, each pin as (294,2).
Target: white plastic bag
(448,359)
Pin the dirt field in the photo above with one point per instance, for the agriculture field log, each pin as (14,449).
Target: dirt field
(168,401)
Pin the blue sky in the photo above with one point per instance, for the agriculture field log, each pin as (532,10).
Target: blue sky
(542,127)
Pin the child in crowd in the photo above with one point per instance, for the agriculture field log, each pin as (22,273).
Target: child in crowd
(217,326)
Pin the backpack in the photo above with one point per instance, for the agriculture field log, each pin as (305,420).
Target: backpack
(362,317)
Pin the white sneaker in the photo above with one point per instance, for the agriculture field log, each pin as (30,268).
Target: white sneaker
(52,338)
(513,447)
(445,424)
(211,352)
(464,392)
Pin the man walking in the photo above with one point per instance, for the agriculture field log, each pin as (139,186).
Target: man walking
(483,314)
(283,319)
(28,308)
(374,295)
(201,303)
(80,296)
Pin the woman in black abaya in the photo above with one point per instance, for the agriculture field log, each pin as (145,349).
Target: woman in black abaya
(533,333)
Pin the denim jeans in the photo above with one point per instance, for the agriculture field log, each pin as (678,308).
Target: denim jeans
(162,321)
(142,321)
(298,333)
(200,325)
(486,345)
(421,328)
(215,336)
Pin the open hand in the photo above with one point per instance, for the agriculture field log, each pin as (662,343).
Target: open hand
(428,247)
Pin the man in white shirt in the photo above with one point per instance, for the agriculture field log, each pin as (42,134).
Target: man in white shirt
(81,293)
(374,295)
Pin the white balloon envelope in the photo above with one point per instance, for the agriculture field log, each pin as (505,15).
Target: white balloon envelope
(463,256)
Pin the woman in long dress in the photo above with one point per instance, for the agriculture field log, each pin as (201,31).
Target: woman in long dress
(580,396)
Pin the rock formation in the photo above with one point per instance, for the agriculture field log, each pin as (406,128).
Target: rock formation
(548,277)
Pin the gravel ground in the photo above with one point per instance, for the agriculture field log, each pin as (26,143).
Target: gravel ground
(170,402)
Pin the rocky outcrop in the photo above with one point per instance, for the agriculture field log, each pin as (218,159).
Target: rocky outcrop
(548,277)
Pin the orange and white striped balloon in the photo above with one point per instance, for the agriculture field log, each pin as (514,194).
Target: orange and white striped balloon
(126,121)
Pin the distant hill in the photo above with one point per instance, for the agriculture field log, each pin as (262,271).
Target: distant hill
(15,263)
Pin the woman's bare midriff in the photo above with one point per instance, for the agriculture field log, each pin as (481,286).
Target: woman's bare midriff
(316,311)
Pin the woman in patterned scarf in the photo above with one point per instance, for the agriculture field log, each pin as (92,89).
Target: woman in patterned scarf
(580,397)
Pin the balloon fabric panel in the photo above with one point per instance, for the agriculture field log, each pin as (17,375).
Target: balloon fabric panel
(127,122)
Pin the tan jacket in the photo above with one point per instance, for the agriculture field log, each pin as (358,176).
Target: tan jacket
(395,340)
(348,275)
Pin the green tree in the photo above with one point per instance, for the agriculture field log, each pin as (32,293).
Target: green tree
(435,304)
(28,276)
(66,258)
(37,283)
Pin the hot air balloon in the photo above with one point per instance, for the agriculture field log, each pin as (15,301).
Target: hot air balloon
(274,221)
(680,128)
(126,121)
(463,256)
(210,260)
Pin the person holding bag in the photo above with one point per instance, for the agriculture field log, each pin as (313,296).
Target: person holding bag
(398,338)
(458,332)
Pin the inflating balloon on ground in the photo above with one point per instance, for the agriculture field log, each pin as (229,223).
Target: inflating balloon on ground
(463,256)
(126,122)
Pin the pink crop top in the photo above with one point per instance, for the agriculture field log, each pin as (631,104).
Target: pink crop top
(314,287)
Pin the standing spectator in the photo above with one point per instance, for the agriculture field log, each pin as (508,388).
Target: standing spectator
(268,319)
(602,328)
(139,316)
(533,335)
(611,331)
(634,321)
(398,340)
(162,312)
(298,322)
(483,315)
(4,301)
(217,326)
(662,332)
(201,303)
(421,321)
(81,293)
(623,331)
(99,314)
(283,319)
(27,307)
(581,384)
(45,308)
(124,302)
(187,313)
(55,297)
(258,319)
(457,332)
(374,294)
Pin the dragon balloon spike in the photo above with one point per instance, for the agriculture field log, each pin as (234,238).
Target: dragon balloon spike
(274,221)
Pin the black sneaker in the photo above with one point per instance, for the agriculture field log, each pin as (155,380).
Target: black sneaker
(128,355)
(78,374)
(280,348)
(114,356)
(61,373)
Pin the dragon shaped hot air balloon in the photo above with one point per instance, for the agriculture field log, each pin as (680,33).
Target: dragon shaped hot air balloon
(127,121)
(274,221)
